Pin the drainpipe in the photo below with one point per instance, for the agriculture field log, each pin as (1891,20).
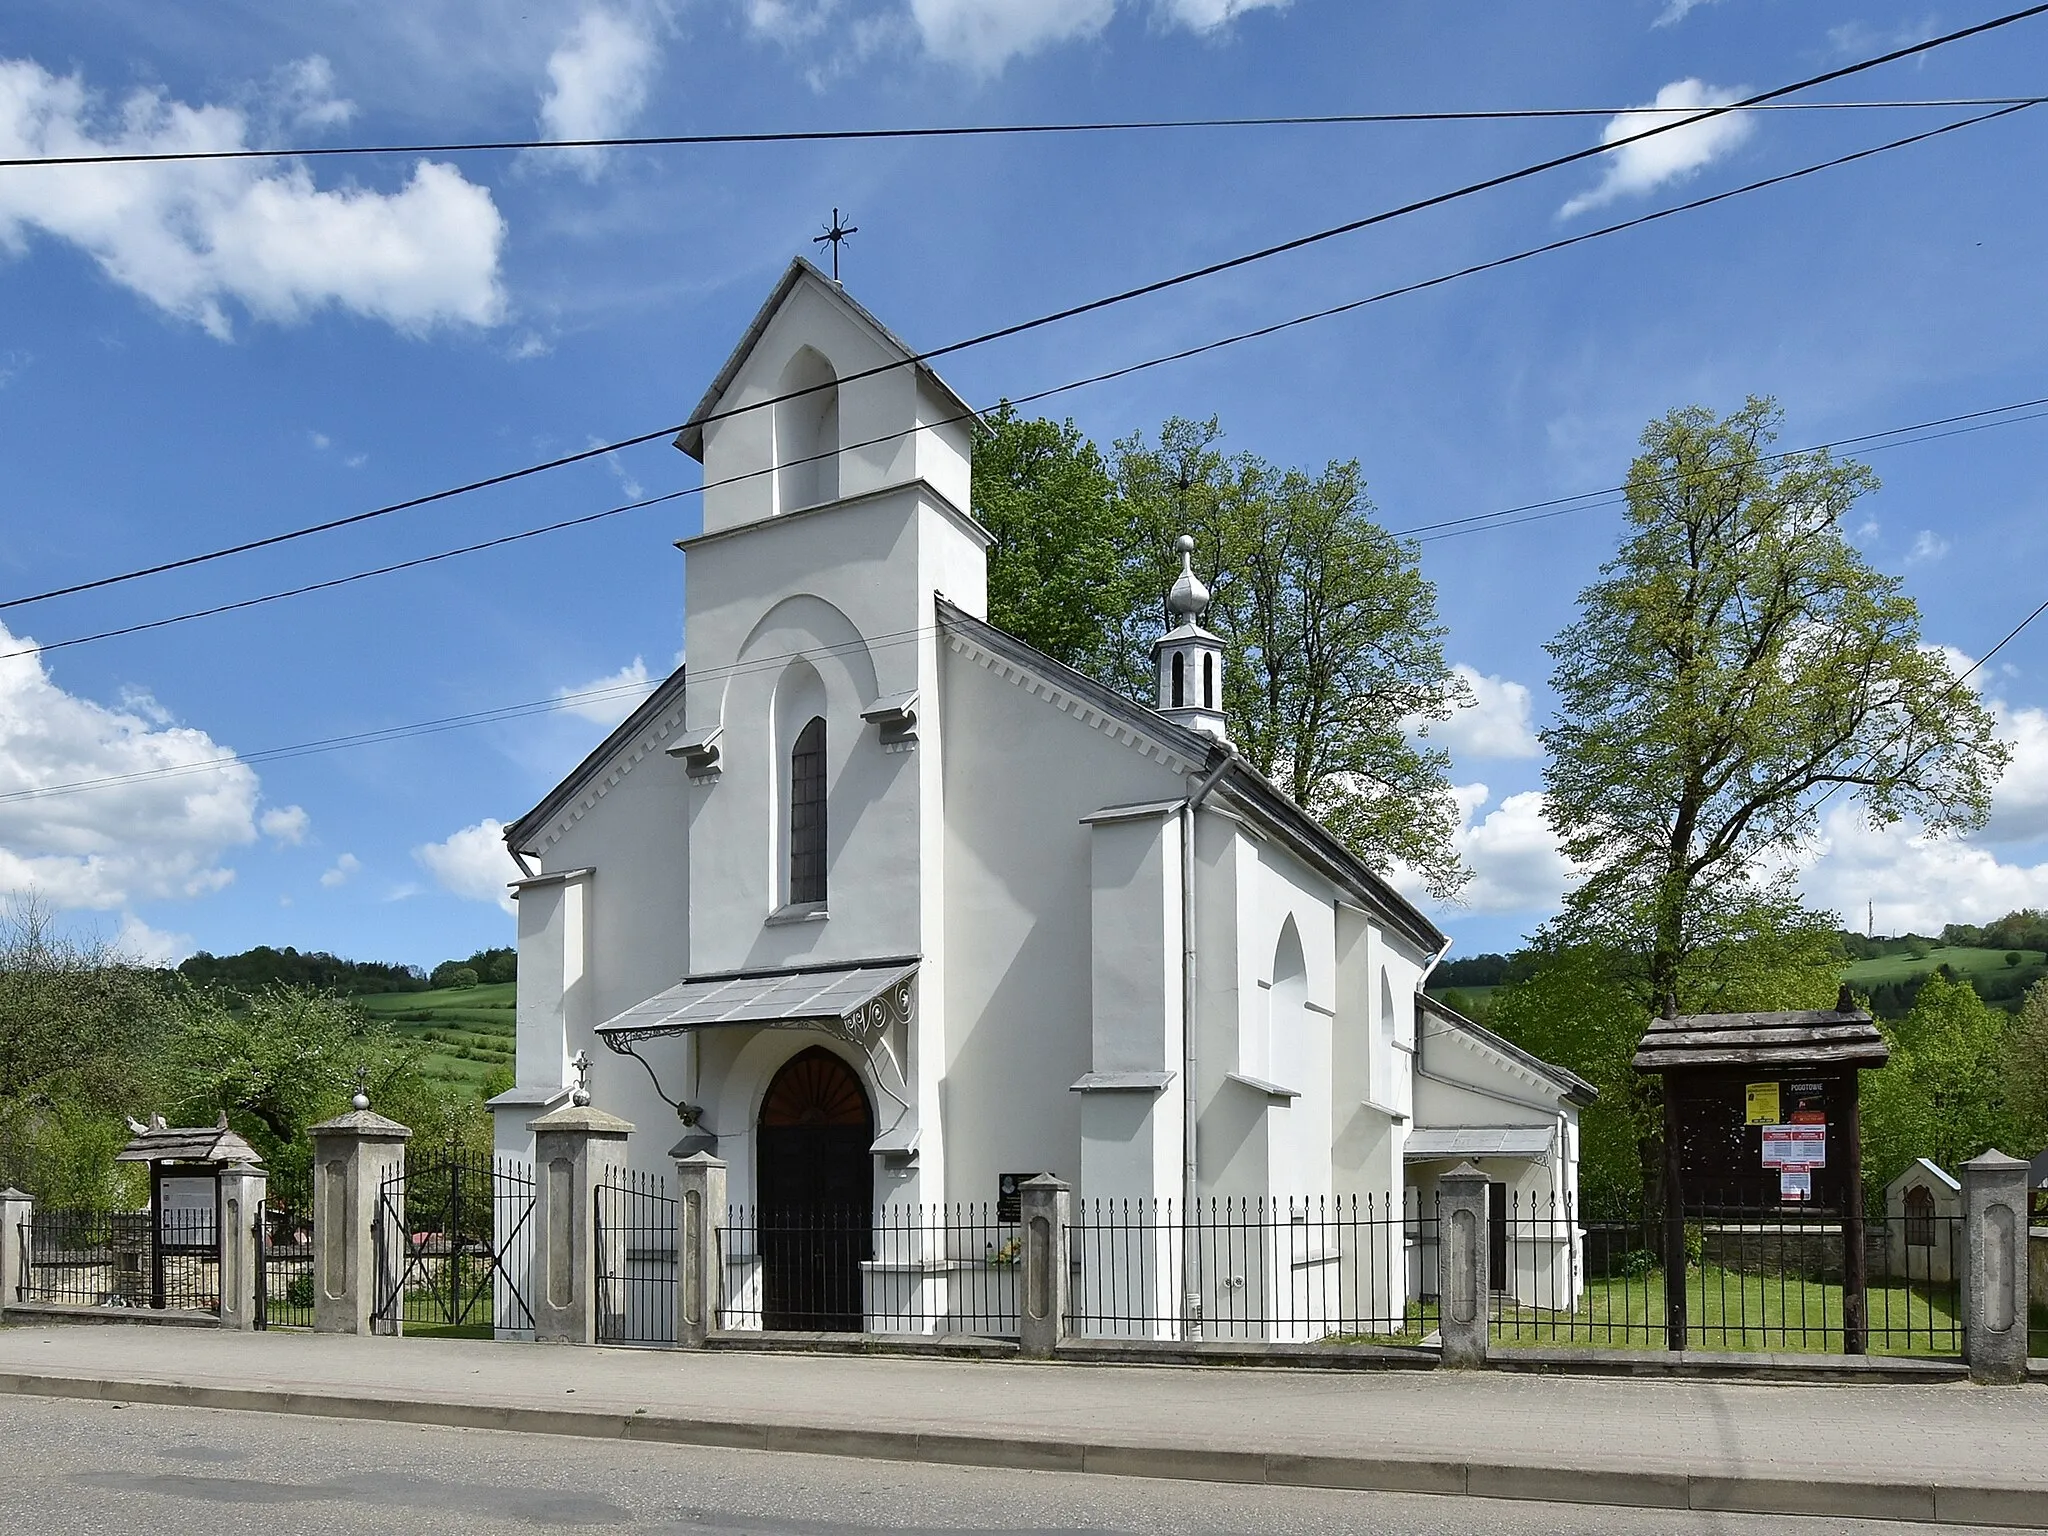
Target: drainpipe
(1190,1258)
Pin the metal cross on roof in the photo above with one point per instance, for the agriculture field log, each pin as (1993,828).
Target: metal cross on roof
(835,236)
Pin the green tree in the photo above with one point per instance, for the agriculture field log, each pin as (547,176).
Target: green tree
(2026,1071)
(1737,663)
(1060,572)
(1335,651)
(1943,1093)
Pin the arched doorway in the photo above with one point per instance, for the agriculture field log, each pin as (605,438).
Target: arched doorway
(817,1181)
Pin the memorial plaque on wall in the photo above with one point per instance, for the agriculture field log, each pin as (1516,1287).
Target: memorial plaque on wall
(1010,1195)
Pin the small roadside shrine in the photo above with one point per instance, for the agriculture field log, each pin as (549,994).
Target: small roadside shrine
(185,1168)
(1761,1121)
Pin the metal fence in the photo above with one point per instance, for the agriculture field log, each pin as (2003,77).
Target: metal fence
(284,1266)
(949,1268)
(1767,1279)
(110,1259)
(454,1248)
(1345,1268)
(636,1259)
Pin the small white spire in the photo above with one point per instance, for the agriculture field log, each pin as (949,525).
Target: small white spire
(1189,599)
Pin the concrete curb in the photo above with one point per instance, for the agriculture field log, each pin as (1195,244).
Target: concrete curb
(1926,1503)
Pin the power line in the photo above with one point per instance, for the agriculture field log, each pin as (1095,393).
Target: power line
(1484,518)
(1091,306)
(968,131)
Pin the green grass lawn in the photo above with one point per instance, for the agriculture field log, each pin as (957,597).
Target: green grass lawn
(1731,1310)
(464,1031)
(1964,962)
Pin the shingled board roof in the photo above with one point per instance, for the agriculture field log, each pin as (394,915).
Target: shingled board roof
(1809,1038)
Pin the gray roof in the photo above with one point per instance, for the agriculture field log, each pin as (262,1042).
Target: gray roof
(1530,1142)
(828,996)
(1240,780)
(186,1144)
(691,438)
(2037,1171)
(1806,1038)
(1575,1087)
(656,704)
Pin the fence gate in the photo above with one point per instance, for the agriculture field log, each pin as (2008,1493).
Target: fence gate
(454,1247)
(284,1266)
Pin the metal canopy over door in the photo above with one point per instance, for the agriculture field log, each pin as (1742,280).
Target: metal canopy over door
(817,1179)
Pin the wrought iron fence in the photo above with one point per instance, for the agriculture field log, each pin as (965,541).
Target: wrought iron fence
(454,1248)
(284,1266)
(949,1268)
(114,1259)
(1344,1268)
(1767,1279)
(636,1259)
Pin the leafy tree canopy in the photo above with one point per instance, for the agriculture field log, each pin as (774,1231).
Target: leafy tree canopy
(1334,662)
(1738,662)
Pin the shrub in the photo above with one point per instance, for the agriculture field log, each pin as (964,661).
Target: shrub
(2012,957)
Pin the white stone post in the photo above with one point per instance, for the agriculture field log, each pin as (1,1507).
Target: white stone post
(241,1202)
(1462,1279)
(575,1148)
(353,1155)
(700,1247)
(1045,1206)
(16,1212)
(1995,1272)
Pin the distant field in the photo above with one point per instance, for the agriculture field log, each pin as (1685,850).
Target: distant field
(1964,962)
(466,1031)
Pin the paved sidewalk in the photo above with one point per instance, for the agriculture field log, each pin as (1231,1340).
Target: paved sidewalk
(1931,1453)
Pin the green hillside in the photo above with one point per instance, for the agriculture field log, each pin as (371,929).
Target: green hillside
(466,1031)
(1973,963)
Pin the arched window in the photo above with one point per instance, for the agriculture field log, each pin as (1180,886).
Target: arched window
(1208,680)
(1920,1216)
(1386,1007)
(807,814)
(1179,670)
(807,433)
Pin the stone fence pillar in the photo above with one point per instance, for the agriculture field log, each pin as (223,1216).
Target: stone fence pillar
(575,1149)
(1045,1207)
(1462,1281)
(1995,1268)
(16,1212)
(242,1187)
(353,1155)
(700,1247)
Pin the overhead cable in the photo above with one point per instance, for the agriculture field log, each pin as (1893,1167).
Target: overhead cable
(1160,285)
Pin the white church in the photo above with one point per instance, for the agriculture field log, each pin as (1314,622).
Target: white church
(882,907)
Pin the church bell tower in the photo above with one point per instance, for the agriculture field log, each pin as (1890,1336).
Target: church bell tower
(1188,658)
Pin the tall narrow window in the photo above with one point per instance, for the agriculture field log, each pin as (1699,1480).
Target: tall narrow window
(1208,681)
(1179,672)
(807,815)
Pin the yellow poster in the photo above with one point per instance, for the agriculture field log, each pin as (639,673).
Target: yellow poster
(1760,1104)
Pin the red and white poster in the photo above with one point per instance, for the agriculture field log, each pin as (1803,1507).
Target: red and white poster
(1795,1146)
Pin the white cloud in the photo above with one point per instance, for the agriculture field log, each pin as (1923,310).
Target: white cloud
(1670,156)
(1677,11)
(789,22)
(617,694)
(194,237)
(1915,883)
(348,864)
(304,96)
(471,863)
(145,838)
(1511,851)
(598,78)
(1928,546)
(285,824)
(150,946)
(984,35)
(2019,806)
(1208,15)
(1495,724)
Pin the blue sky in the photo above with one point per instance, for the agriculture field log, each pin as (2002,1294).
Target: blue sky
(191,357)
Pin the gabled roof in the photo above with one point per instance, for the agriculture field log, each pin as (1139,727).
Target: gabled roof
(564,794)
(1240,781)
(1924,1165)
(1814,1037)
(1567,1082)
(691,438)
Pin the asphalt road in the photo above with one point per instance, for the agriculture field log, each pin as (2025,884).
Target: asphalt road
(110,1470)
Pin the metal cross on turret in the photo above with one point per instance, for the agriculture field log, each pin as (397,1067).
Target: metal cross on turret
(580,1094)
(835,236)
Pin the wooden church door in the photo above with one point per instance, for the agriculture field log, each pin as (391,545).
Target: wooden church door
(817,1182)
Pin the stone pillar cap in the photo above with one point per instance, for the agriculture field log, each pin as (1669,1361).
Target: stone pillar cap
(1464,1173)
(581,1117)
(1045,1181)
(365,1125)
(1993,1161)
(700,1160)
(11,1193)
